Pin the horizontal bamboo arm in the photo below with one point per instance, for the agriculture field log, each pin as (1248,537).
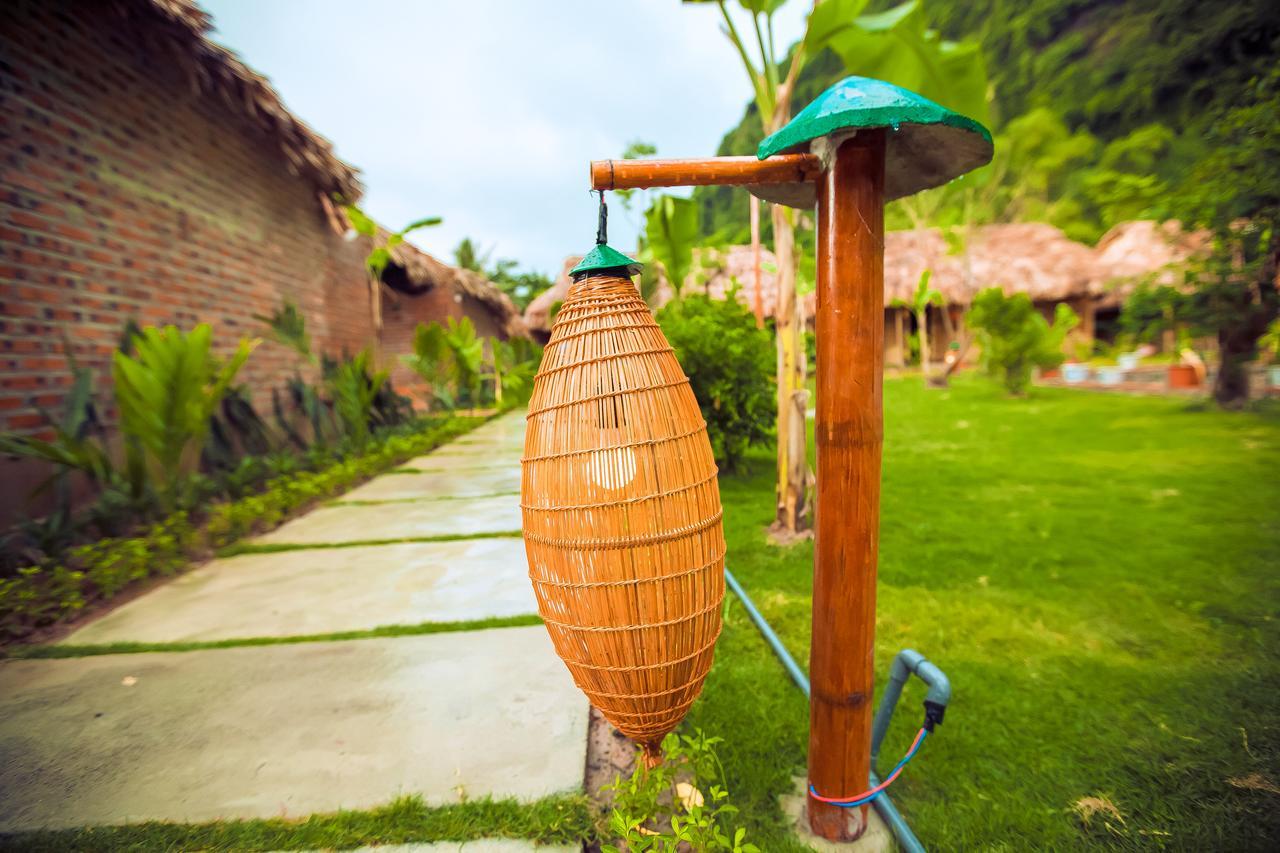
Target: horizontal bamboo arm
(731,171)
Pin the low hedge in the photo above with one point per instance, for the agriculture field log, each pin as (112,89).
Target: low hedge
(38,596)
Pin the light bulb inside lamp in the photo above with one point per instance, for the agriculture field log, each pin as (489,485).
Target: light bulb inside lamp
(613,468)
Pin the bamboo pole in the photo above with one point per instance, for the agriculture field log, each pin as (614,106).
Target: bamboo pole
(706,171)
(849,433)
(758,302)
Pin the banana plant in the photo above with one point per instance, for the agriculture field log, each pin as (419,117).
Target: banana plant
(671,231)
(895,45)
(515,362)
(166,393)
(919,307)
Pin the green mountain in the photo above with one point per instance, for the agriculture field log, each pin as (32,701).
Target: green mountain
(1103,71)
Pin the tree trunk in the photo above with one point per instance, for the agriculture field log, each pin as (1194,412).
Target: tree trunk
(1235,349)
(793,464)
(922,331)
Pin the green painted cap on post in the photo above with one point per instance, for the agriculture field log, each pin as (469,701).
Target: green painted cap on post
(605,257)
(928,144)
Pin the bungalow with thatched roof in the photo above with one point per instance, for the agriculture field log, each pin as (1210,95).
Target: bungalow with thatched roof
(148,173)
(1028,257)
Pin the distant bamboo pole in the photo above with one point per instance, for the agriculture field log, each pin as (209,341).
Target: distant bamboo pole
(755,260)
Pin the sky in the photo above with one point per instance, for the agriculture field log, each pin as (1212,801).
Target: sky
(487,113)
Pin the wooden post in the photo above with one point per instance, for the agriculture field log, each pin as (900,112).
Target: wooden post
(849,433)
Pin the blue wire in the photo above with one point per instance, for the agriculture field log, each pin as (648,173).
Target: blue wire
(854,803)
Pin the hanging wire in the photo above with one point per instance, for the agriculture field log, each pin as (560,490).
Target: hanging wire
(602,229)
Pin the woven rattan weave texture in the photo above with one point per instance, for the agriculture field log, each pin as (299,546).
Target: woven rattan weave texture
(622,512)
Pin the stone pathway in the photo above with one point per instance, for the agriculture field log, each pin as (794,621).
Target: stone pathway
(261,731)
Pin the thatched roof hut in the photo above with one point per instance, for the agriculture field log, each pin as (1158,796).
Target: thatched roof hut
(1026,257)
(1023,257)
(413,272)
(181,29)
(1132,251)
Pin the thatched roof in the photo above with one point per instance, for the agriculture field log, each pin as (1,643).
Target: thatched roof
(1024,257)
(537,316)
(1133,251)
(181,28)
(414,272)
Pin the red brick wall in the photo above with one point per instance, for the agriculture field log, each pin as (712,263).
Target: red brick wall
(123,193)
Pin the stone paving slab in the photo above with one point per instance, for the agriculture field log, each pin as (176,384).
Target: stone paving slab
(461,464)
(440,484)
(286,730)
(469,454)
(295,593)
(334,524)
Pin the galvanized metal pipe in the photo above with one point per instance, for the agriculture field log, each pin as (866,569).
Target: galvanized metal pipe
(883,805)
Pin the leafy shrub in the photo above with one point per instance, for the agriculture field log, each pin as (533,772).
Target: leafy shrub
(729,362)
(515,362)
(1150,312)
(679,805)
(167,393)
(1015,337)
(355,385)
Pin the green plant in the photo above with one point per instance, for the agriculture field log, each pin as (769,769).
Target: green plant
(77,444)
(728,361)
(1269,343)
(1015,337)
(288,327)
(354,385)
(432,359)
(515,361)
(681,804)
(919,307)
(896,45)
(380,255)
(1151,313)
(166,394)
(467,351)
(671,230)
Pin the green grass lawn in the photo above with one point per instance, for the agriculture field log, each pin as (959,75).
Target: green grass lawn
(1099,576)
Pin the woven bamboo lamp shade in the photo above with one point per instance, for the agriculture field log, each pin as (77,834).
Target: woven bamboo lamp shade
(621,507)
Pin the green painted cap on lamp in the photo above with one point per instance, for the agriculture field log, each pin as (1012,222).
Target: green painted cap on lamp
(927,143)
(604,257)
